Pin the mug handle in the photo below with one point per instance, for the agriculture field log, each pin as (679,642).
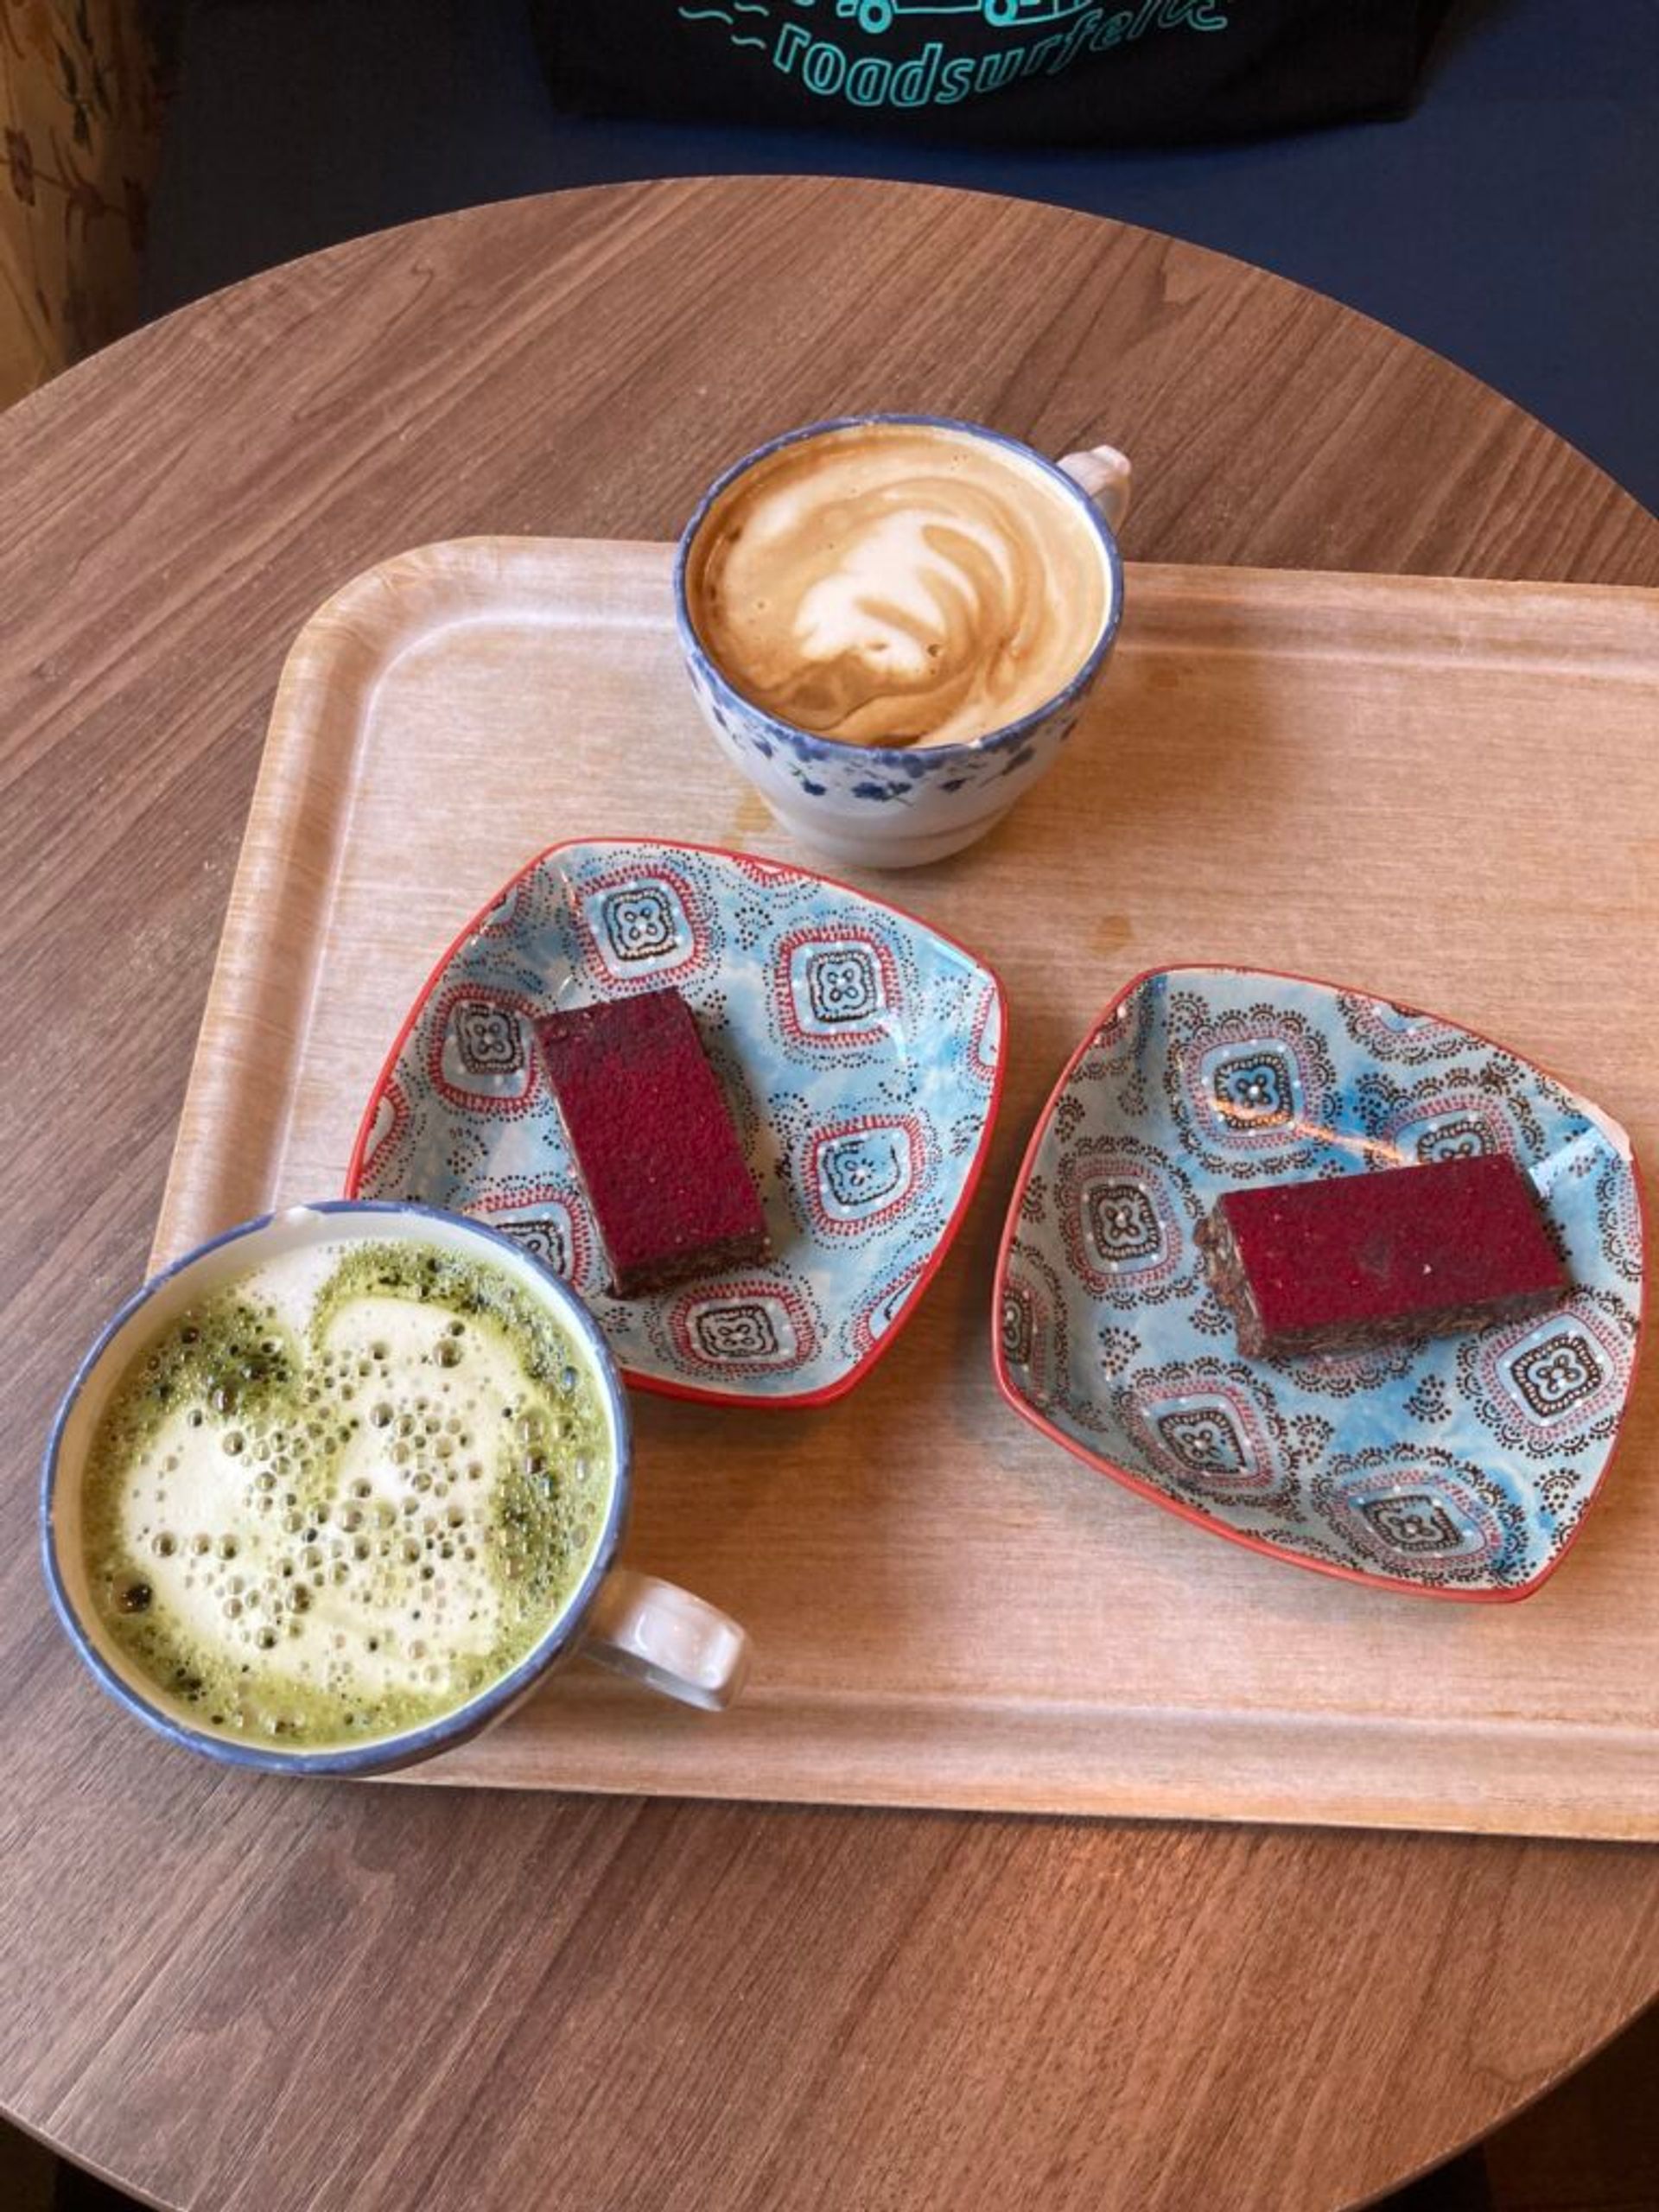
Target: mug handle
(1106,475)
(662,1635)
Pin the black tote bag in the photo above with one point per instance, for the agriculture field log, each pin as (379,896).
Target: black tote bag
(1036,71)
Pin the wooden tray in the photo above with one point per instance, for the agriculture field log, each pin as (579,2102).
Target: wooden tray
(1447,792)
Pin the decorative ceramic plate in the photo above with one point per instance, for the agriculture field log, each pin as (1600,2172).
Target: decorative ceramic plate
(1458,1466)
(859,1049)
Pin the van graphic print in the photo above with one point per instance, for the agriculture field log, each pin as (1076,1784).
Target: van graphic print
(865,54)
(877,16)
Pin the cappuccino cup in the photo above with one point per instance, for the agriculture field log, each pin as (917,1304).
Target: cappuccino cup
(339,1489)
(891,623)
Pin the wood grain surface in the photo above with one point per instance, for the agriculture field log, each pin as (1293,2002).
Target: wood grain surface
(1135,1665)
(231,1993)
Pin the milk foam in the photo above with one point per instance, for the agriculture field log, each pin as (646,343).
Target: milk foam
(894,584)
(345,1494)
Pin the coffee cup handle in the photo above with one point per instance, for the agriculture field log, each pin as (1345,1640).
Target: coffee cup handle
(1106,475)
(663,1636)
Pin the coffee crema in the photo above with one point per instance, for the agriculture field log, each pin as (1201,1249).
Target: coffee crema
(339,1498)
(895,584)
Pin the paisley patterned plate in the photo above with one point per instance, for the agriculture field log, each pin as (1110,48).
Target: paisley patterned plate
(1456,1467)
(860,1052)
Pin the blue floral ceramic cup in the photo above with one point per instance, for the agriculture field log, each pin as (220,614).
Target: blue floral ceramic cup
(896,806)
(658,1634)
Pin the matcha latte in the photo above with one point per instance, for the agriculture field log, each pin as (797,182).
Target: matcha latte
(343,1493)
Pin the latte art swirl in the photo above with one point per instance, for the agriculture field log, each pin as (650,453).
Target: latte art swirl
(891,585)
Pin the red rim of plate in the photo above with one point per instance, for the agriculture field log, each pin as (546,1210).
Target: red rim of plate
(1125,1476)
(663,1386)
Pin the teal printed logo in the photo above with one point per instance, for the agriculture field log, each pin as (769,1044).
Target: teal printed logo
(826,67)
(742,34)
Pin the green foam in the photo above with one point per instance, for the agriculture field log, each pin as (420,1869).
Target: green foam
(265,1413)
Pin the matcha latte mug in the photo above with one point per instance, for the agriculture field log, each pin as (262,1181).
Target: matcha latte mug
(336,1490)
(892,623)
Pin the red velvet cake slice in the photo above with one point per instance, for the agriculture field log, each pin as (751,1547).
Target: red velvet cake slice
(653,1141)
(1361,1259)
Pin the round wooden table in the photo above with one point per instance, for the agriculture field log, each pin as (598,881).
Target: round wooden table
(226,1992)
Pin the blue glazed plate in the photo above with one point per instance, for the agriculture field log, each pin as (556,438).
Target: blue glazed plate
(860,1049)
(1458,1466)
